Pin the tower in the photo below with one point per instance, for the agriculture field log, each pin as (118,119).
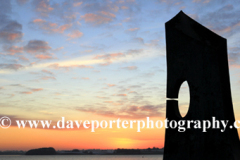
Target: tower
(199,56)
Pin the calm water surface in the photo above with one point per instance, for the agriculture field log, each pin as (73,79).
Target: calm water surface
(83,157)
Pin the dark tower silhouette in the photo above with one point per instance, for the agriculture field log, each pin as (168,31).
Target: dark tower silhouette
(197,55)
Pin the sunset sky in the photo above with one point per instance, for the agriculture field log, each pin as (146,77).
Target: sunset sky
(96,60)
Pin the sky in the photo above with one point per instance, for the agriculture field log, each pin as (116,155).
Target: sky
(97,60)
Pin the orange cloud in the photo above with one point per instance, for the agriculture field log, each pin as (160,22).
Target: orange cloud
(51,27)
(38,21)
(122,95)
(62,28)
(35,46)
(57,66)
(77,4)
(130,68)
(11,66)
(85,78)
(36,89)
(96,19)
(126,112)
(108,14)
(46,71)
(235,66)
(13,50)
(26,92)
(124,7)
(133,29)
(75,34)
(111,85)
(113,103)
(42,57)
(109,56)
(10,36)
(59,48)
(48,77)
(23,58)
(43,7)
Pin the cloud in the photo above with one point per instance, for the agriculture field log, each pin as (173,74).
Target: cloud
(132,112)
(43,7)
(57,66)
(76,4)
(36,89)
(233,56)
(59,48)
(47,72)
(16,85)
(21,2)
(124,7)
(203,1)
(130,68)
(108,14)
(97,19)
(26,92)
(12,50)
(23,58)
(37,46)
(85,78)
(50,27)
(222,20)
(42,57)
(10,30)
(111,85)
(88,60)
(133,29)
(48,78)
(122,95)
(109,57)
(11,66)
(75,34)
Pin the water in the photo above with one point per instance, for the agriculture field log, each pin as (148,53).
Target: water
(82,157)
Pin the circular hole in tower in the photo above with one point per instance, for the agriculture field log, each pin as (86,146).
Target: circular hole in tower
(184,98)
